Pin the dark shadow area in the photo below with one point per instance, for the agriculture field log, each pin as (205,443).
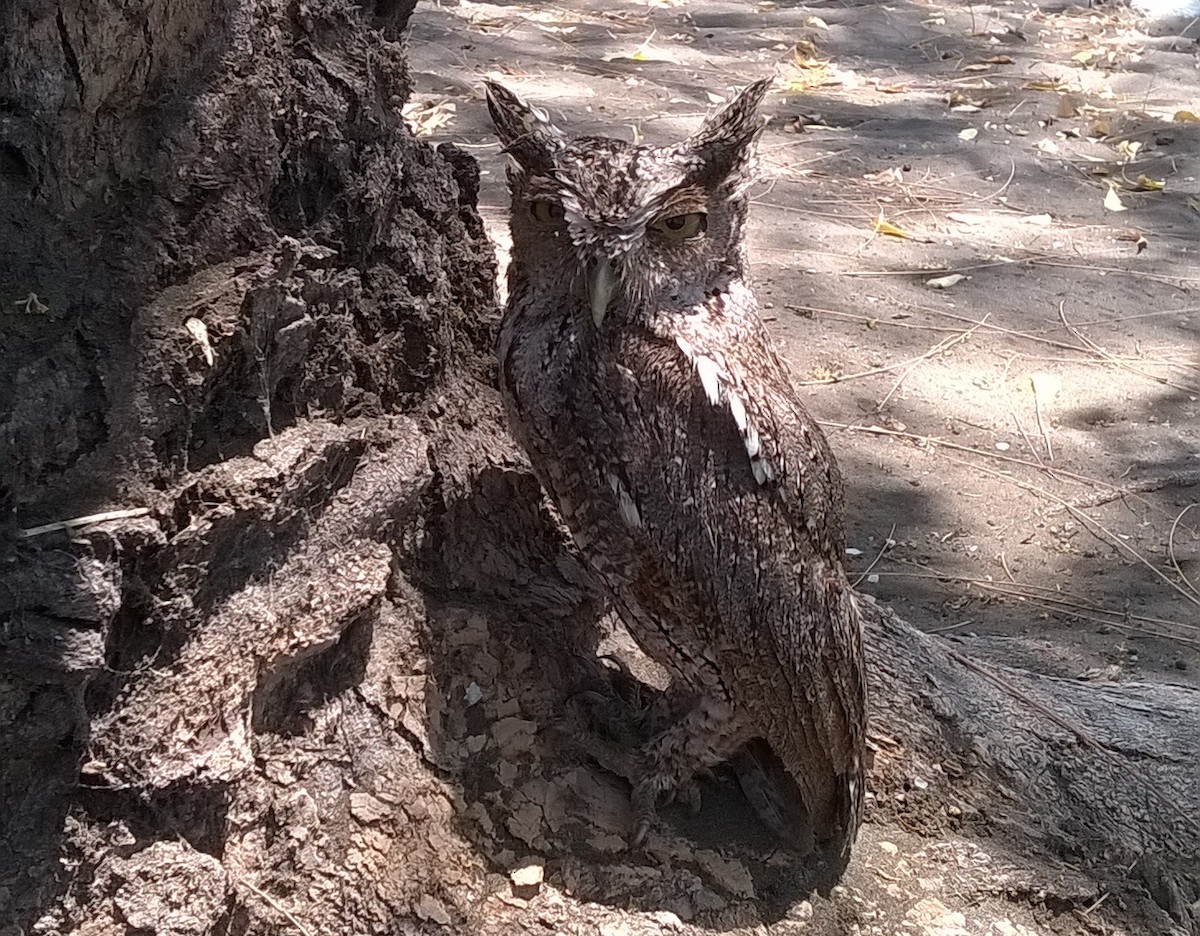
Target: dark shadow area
(79,232)
(510,659)
(196,815)
(282,701)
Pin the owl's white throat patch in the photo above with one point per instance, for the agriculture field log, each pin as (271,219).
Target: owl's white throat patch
(720,388)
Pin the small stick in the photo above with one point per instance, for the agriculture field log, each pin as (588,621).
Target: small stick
(887,543)
(1171,548)
(1095,904)
(950,627)
(85,521)
(941,347)
(275,904)
(1115,361)
(1024,435)
(1037,411)
(1089,522)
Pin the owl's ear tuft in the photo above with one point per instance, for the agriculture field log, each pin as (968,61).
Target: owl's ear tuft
(725,141)
(526,132)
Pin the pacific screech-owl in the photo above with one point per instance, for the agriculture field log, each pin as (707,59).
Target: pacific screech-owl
(641,381)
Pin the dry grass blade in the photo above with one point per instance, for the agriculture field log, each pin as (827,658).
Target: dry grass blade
(1060,603)
(933,441)
(1041,423)
(888,543)
(276,905)
(1143,486)
(1092,527)
(1114,360)
(1171,549)
(940,348)
(810,311)
(76,522)
(1118,620)
(1024,435)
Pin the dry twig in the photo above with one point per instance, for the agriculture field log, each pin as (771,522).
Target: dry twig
(76,522)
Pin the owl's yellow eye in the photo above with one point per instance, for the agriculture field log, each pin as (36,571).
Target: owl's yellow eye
(547,212)
(681,227)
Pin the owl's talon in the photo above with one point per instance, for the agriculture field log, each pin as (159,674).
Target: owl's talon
(623,684)
(644,801)
(588,696)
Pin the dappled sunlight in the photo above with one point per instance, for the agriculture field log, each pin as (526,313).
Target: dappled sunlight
(974,237)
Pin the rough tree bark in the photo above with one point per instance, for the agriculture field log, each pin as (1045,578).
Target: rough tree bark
(317,676)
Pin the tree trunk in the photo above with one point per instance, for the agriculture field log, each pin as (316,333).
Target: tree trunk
(314,672)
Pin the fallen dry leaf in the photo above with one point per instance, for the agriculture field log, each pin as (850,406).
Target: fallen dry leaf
(1185,117)
(957,100)
(432,909)
(1112,201)
(883,226)
(886,176)
(425,118)
(1045,386)
(1147,184)
(527,879)
(1128,149)
(1045,85)
(199,331)
(944,282)
(643,53)
(969,134)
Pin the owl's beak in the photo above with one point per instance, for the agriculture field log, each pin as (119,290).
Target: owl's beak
(603,284)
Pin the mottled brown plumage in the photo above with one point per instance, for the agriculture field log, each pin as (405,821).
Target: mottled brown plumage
(640,379)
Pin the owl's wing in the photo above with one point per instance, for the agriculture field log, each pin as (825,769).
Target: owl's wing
(736,369)
(746,500)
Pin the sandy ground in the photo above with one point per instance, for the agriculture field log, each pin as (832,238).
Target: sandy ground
(1021,445)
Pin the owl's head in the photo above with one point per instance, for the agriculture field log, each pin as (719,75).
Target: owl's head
(628,230)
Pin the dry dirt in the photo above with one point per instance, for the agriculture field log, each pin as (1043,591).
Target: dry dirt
(1022,444)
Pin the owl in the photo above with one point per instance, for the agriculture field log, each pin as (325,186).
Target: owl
(639,378)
